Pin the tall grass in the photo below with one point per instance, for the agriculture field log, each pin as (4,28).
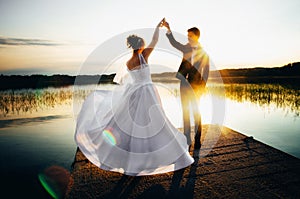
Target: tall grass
(29,100)
(14,102)
(262,94)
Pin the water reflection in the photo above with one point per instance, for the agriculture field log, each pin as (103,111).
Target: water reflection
(15,102)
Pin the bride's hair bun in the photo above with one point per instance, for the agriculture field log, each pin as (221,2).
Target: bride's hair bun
(135,42)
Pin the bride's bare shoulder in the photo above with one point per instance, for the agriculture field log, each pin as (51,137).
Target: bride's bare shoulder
(129,64)
(132,64)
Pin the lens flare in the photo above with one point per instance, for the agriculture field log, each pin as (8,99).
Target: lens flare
(47,185)
(109,136)
(55,180)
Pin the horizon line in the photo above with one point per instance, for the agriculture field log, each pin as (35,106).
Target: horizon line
(2,73)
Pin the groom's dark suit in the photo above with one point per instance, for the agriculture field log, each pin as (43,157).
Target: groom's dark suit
(193,73)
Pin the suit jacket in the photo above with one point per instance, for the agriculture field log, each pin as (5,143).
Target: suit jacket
(197,74)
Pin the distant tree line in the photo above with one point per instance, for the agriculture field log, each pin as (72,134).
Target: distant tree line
(292,69)
(286,74)
(44,81)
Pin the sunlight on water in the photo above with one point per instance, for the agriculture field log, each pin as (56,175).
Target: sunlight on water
(205,108)
(210,106)
(171,103)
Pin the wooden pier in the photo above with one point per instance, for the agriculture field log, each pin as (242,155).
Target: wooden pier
(236,166)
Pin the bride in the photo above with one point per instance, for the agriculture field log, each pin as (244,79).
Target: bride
(126,130)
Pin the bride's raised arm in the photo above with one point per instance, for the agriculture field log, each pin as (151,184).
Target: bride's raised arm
(154,41)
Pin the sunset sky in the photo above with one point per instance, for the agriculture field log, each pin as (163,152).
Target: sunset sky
(56,37)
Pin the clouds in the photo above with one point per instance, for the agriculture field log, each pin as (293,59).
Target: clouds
(8,41)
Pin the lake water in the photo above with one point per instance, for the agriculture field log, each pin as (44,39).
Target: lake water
(37,126)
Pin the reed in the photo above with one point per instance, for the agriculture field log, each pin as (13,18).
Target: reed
(15,102)
(262,94)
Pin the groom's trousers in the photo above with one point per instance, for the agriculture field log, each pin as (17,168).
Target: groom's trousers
(190,103)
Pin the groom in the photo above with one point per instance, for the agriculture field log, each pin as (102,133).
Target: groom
(193,74)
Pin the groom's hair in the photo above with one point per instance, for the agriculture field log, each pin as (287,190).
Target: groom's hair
(195,30)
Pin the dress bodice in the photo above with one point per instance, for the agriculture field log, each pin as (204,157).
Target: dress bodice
(142,74)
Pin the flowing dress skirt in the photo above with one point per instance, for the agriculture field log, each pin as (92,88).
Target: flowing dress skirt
(127,131)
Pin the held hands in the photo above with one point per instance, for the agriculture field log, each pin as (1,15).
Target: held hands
(165,24)
(161,23)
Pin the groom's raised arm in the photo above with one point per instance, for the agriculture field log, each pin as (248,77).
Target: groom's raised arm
(175,43)
(172,40)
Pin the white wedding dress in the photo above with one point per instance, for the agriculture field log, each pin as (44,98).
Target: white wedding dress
(126,130)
